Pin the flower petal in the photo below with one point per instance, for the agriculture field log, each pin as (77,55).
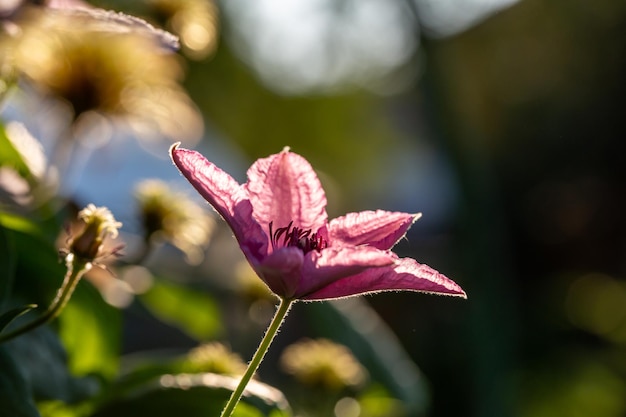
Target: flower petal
(380,229)
(406,275)
(226,196)
(331,264)
(281,271)
(284,188)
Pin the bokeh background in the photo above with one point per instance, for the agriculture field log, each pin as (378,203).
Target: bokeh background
(501,121)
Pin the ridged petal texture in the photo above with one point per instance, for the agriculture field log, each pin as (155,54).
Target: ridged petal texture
(226,196)
(405,275)
(380,229)
(284,188)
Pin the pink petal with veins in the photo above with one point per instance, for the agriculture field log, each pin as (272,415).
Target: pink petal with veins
(284,188)
(322,268)
(380,229)
(226,196)
(406,275)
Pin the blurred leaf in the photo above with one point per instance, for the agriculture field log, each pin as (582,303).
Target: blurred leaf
(90,330)
(355,324)
(11,315)
(37,261)
(57,408)
(196,313)
(376,402)
(192,395)
(15,396)
(20,224)
(42,361)
(572,386)
(139,370)
(7,267)
(11,157)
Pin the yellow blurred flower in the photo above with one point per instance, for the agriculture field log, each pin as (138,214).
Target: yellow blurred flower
(323,363)
(172,216)
(103,62)
(213,357)
(194,21)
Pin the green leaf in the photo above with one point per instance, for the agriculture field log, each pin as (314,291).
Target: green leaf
(37,262)
(355,324)
(15,396)
(193,395)
(90,330)
(18,223)
(42,361)
(11,315)
(195,313)
(56,408)
(376,402)
(9,156)
(7,265)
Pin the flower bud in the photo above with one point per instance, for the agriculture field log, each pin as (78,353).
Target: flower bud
(98,224)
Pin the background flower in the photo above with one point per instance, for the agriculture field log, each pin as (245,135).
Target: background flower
(323,363)
(194,21)
(104,63)
(167,215)
(213,357)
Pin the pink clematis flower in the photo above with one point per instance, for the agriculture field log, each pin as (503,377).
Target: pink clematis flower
(279,219)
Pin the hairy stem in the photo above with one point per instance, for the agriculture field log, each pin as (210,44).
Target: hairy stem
(75,270)
(272,330)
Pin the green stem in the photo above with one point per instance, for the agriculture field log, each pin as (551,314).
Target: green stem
(279,317)
(75,270)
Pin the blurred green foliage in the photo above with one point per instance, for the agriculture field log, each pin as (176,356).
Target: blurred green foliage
(194,312)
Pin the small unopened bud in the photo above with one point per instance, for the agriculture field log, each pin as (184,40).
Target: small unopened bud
(98,224)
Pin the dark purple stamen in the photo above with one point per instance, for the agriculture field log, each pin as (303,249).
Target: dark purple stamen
(295,236)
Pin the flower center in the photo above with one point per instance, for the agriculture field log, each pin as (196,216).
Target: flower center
(295,236)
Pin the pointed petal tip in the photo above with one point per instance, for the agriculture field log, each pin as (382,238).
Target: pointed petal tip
(459,293)
(449,288)
(174,147)
(454,290)
(416,217)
